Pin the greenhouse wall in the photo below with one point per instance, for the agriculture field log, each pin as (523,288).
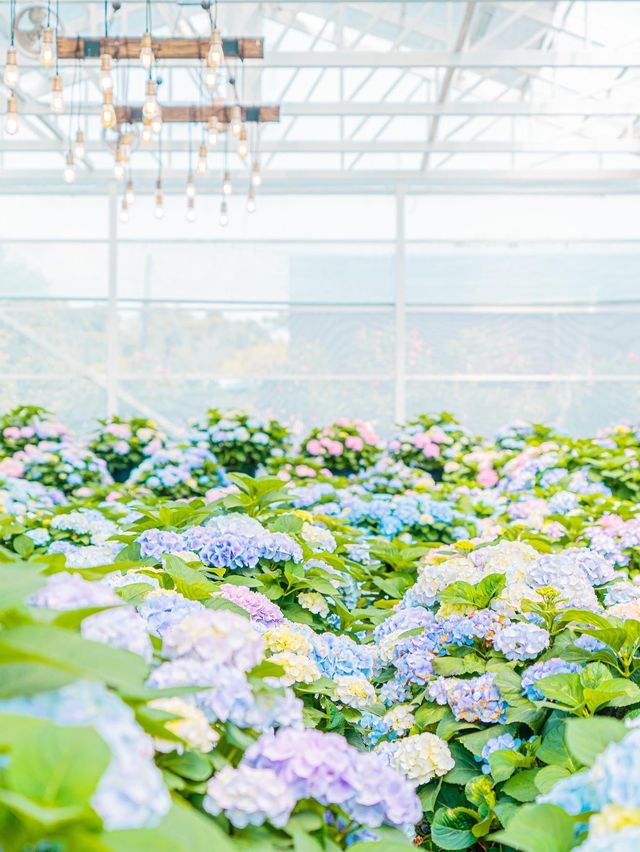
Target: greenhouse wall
(494,306)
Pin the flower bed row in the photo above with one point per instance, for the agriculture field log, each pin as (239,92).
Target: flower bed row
(362,649)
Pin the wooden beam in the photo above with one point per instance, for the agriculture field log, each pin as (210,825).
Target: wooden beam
(83,47)
(192,114)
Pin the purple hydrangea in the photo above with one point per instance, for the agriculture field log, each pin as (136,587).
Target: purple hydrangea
(521,641)
(475,699)
(324,767)
(263,612)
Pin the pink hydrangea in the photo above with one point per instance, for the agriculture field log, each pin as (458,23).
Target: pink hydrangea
(314,447)
(352,442)
(11,467)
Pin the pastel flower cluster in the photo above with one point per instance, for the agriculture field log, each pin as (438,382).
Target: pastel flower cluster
(343,447)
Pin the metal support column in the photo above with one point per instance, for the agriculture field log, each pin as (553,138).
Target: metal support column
(400,402)
(112,305)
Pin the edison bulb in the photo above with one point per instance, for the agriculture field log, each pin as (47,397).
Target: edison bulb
(191,210)
(235,116)
(146,51)
(106,80)
(191,187)
(210,77)
(11,121)
(124,210)
(69,169)
(256,175)
(47,51)
(224,214)
(243,144)
(159,208)
(251,200)
(227,186)
(212,131)
(215,54)
(57,98)
(156,124)
(11,72)
(108,112)
(147,132)
(151,108)
(79,149)
(129,194)
(203,164)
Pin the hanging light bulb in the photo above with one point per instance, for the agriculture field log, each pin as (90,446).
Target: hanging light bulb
(57,98)
(129,194)
(79,149)
(125,146)
(235,117)
(147,132)
(215,54)
(191,187)
(11,121)
(11,72)
(210,77)
(256,174)
(191,210)
(151,108)
(243,143)
(47,51)
(251,200)
(106,80)
(156,124)
(159,211)
(108,113)
(227,186)
(146,51)
(202,166)
(124,211)
(212,131)
(224,214)
(69,169)
(118,164)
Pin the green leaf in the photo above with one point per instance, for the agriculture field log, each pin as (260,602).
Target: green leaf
(286,523)
(188,581)
(183,830)
(522,786)
(58,766)
(70,653)
(549,776)
(189,765)
(18,580)
(31,677)
(538,828)
(451,828)
(586,738)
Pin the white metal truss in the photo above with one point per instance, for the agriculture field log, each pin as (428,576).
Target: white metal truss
(442,94)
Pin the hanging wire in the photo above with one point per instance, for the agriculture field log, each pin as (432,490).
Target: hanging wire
(48,14)
(12,15)
(57,25)
(106,18)
(148,15)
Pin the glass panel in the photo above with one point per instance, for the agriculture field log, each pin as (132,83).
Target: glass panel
(53,269)
(241,271)
(170,340)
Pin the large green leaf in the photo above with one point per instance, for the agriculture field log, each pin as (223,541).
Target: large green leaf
(71,653)
(451,828)
(188,581)
(538,828)
(586,738)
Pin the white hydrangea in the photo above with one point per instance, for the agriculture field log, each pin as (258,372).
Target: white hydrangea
(399,719)
(284,637)
(216,636)
(298,668)
(354,691)
(314,602)
(512,558)
(192,727)
(319,538)
(419,758)
(433,579)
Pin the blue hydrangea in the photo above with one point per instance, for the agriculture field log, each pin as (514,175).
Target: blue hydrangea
(545,668)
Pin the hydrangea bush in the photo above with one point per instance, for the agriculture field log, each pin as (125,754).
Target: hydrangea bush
(365,658)
(124,443)
(241,441)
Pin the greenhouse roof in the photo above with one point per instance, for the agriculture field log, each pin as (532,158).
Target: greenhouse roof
(444,96)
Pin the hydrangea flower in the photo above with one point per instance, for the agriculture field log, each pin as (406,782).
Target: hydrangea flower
(474,700)
(545,668)
(419,758)
(250,796)
(521,641)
